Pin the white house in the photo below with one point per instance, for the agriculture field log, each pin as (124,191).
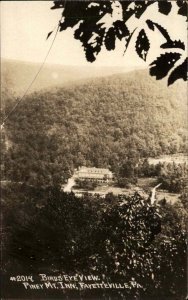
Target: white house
(93,174)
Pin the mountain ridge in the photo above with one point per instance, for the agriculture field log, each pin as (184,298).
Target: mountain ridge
(19,74)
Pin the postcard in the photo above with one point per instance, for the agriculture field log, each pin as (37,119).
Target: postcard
(94,159)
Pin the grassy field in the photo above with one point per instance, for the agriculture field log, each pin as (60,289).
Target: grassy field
(144,186)
(172,158)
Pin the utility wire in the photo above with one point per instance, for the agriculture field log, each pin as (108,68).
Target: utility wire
(35,77)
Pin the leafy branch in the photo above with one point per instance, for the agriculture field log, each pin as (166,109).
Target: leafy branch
(99,24)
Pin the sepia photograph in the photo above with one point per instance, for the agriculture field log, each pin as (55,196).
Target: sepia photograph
(94,150)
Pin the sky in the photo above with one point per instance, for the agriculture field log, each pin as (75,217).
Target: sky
(25,25)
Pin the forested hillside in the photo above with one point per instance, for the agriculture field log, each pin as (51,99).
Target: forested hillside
(100,123)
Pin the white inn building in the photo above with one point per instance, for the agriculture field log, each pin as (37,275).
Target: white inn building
(93,174)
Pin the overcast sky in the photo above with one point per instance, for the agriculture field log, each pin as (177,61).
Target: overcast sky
(25,24)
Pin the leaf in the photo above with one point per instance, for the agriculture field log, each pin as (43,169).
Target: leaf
(49,34)
(92,43)
(92,50)
(140,7)
(150,24)
(142,44)
(90,31)
(164,7)
(121,29)
(58,4)
(179,73)
(179,2)
(162,65)
(162,30)
(183,8)
(110,39)
(127,12)
(173,44)
(71,20)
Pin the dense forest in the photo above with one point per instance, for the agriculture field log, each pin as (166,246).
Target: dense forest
(120,238)
(100,122)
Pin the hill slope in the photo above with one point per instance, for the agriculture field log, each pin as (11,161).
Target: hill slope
(17,75)
(98,123)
